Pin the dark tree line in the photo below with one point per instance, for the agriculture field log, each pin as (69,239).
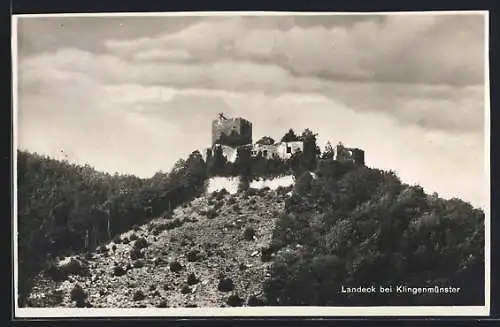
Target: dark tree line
(356,226)
(60,205)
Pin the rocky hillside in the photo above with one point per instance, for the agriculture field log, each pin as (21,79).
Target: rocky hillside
(211,252)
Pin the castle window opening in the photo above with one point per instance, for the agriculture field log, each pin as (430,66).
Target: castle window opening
(265,153)
(288,149)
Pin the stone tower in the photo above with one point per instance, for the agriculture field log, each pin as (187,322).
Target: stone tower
(231,131)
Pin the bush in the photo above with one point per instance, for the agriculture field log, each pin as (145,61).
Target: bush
(113,248)
(78,295)
(254,301)
(218,205)
(266,254)
(125,240)
(119,271)
(175,267)
(57,274)
(192,279)
(139,295)
(136,254)
(185,289)
(249,233)
(139,264)
(211,214)
(133,237)
(220,195)
(141,243)
(225,285)
(163,304)
(77,267)
(174,224)
(102,249)
(234,301)
(193,255)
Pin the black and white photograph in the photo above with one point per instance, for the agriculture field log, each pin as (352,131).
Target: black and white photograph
(251,164)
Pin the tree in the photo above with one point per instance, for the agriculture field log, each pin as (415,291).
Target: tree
(311,149)
(290,136)
(329,153)
(218,162)
(265,140)
(243,161)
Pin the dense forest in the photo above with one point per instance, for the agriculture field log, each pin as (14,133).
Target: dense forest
(357,226)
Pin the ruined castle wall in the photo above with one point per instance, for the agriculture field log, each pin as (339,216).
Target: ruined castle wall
(285,150)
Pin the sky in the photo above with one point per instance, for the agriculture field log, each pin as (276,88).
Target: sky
(134,94)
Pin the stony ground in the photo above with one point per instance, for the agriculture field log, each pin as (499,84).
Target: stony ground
(211,248)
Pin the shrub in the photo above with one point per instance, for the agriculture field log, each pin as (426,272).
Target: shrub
(139,295)
(266,254)
(221,194)
(175,267)
(133,237)
(119,271)
(193,255)
(234,301)
(236,207)
(225,285)
(113,248)
(78,295)
(139,264)
(76,267)
(211,214)
(218,205)
(185,289)
(57,274)
(136,254)
(231,200)
(254,301)
(192,279)
(102,249)
(125,240)
(152,287)
(163,304)
(249,233)
(141,243)
(174,223)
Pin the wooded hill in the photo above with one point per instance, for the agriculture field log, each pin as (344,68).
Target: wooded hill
(343,225)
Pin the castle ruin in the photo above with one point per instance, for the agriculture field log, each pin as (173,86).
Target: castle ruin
(232,133)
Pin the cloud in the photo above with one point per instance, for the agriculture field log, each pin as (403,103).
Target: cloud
(400,48)
(455,108)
